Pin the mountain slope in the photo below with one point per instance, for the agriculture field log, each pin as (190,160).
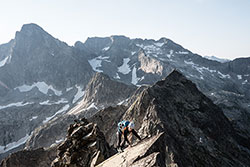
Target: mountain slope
(196,131)
(102,92)
(40,78)
(37,56)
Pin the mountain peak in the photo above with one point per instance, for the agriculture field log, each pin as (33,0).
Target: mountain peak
(31,28)
(174,76)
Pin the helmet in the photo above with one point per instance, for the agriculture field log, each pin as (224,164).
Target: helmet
(131,125)
(120,125)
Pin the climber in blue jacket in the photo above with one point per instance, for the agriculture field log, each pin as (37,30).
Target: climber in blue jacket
(125,128)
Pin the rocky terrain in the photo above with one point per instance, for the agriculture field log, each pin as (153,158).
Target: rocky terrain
(29,158)
(85,145)
(179,125)
(43,82)
(149,152)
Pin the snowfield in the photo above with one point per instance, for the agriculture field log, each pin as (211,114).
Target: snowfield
(124,68)
(42,87)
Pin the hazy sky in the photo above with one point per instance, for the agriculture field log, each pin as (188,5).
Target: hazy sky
(207,27)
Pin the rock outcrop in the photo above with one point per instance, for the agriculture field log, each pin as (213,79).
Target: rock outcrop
(107,119)
(30,158)
(149,152)
(85,145)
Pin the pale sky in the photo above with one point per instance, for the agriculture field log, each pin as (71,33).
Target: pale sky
(218,28)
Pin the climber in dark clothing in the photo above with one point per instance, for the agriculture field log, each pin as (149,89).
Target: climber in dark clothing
(125,128)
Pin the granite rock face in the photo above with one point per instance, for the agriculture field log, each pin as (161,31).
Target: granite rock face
(29,158)
(85,145)
(149,152)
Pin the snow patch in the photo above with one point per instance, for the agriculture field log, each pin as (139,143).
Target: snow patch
(13,145)
(244,82)
(150,49)
(182,52)
(63,109)
(199,69)
(68,89)
(216,59)
(223,75)
(117,76)
(59,141)
(134,77)
(132,53)
(92,105)
(42,87)
(239,77)
(142,78)
(79,94)
(95,63)
(3,62)
(159,44)
(169,56)
(189,62)
(18,104)
(106,48)
(120,103)
(47,102)
(124,68)
(34,117)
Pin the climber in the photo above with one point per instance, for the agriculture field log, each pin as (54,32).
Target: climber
(125,128)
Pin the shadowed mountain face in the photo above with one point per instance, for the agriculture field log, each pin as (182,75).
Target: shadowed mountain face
(101,92)
(196,130)
(37,56)
(40,78)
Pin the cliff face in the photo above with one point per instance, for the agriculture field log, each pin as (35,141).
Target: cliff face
(196,130)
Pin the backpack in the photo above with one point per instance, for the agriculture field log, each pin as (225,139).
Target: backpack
(124,125)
